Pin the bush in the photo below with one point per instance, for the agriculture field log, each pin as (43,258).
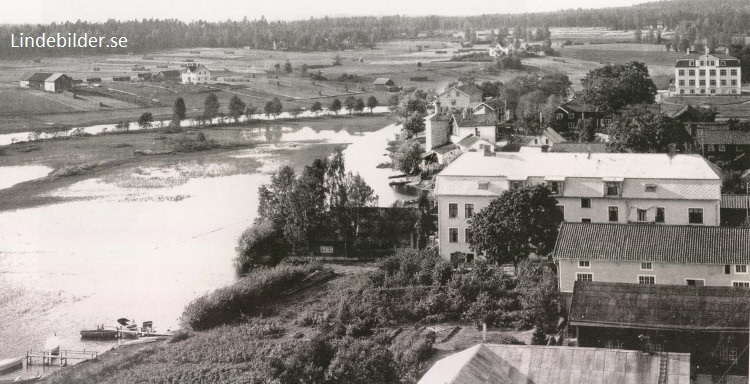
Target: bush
(359,361)
(246,297)
(185,143)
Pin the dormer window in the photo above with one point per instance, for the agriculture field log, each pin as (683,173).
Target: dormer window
(516,184)
(722,63)
(612,188)
(484,185)
(692,63)
(650,188)
(555,187)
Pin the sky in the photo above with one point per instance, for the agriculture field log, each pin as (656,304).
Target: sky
(46,11)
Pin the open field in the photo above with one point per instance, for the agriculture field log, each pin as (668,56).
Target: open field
(598,34)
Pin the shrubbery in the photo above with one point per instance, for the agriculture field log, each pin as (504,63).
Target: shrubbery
(244,298)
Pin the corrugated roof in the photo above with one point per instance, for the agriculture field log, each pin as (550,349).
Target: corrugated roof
(482,120)
(554,365)
(650,242)
(649,306)
(627,165)
(735,201)
(722,136)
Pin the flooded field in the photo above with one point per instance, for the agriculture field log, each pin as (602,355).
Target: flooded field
(142,242)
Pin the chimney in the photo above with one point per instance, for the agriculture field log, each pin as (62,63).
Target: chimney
(707,50)
(688,50)
(672,149)
(437,107)
(726,50)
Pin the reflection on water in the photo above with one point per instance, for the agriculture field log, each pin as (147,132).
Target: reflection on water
(143,243)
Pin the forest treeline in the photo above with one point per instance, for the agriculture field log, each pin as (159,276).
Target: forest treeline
(694,20)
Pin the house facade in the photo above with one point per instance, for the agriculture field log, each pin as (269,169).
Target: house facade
(717,142)
(708,74)
(547,138)
(465,125)
(196,74)
(169,75)
(460,97)
(58,82)
(595,187)
(652,254)
(384,84)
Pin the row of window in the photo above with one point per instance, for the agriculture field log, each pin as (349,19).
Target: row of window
(453,235)
(651,280)
(710,82)
(711,91)
(711,72)
(453,210)
(722,148)
(740,269)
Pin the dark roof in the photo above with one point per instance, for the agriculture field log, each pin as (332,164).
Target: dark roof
(470,89)
(382,81)
(578,107)
(731,61)
(169,72)
(735,201)
(571,146)
(722,136)
(447,148)
(194,68)
(649,306)
(650,242)
(476,120)
(38,76)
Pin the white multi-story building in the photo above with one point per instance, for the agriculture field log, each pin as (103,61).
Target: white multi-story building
(708,74)
(196,74)
(596,187)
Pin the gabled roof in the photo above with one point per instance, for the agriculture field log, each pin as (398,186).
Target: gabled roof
(653,306)
(169,72)
(467,89)
(56,76)
(446,148)
(194,68)
(553,136)
(38,76)
(722,136)
(578,107)
(650,242)
(382,81)
(475,120)
(554,365)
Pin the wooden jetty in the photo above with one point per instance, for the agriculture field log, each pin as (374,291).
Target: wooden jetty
(63,356)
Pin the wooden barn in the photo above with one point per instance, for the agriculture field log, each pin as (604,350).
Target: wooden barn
(384,84)
(58,82)
(34,80)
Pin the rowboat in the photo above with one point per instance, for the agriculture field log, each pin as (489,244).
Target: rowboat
(100,333)
(11,364)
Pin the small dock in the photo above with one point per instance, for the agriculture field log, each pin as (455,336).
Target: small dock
(63,356)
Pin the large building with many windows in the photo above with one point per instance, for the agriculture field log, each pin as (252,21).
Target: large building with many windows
(596,187)
(708,74)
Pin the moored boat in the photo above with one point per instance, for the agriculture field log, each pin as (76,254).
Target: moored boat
(11,364)
(100,333)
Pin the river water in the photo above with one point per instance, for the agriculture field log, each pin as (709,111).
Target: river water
(125,247)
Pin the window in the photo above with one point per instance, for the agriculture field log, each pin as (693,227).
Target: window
(701,82)
(723,63)
(702,64)
(613,214)
(484,185)
(723,82)
(516,184)
(469,210)
(613,189)
(692,82)
(691,72)
(642,215)
(585,203)
(712,82)
(727,269)
(646,280)
(682,82)
(722,148)
(585,220)
(740,268)
(555,187)
(584,264)
(584,277)
(452,210)
(692,91)
(659,215)
(695,282)
(692,64)
(695,215)
(734,82)
(711,148)
(733,72)
(713,91)
(650,187)
(453,235)
(647,266)
(723,72)
(682,72)
(571,116)
(561,209)
(741,284)
(728,354)
(701,72)
(712,72)
(467,234)
(571,125)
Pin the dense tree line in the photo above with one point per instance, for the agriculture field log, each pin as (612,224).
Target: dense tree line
(693,20)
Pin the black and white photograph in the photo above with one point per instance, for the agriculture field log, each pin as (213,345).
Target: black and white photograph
(390,192)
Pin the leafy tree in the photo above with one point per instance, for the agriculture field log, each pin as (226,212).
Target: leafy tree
(250,110)
(335,106)
(211,106)
(316,107)
(372,102)
(519,222)
(145,120)
(259,244)
(288,67)
(414,124)
(640,130)
(349,103)
(415,101)
(614,86)
(362,361)
(236,107)
(277,66)
(407,156)
(585,130)
(359,105)
(537,285)
(490,89)
(178,110)
(555,83)
(335,180)
(273,107)
(273,198)
(732,182)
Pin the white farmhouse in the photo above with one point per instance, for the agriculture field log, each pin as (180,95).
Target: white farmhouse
(196,74)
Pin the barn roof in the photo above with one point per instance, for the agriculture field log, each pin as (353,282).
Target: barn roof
(38,76)
(651,306)
(501,364)
(56,76)
(648,242)
(382,81)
